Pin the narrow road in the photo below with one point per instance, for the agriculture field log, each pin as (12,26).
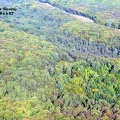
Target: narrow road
(82,18)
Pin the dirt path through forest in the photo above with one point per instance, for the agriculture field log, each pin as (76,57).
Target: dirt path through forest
(82,18)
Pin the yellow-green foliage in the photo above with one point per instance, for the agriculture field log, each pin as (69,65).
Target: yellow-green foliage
(101,10)
(41,81)
(75,86)
(23,109)
(17,46)
(89,31)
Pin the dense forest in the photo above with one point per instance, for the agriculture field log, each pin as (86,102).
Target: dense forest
(54,66)
(100,11)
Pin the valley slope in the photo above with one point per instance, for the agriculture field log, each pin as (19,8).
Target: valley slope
(54,66)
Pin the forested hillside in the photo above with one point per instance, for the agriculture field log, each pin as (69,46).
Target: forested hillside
(103,12)
(54,66)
